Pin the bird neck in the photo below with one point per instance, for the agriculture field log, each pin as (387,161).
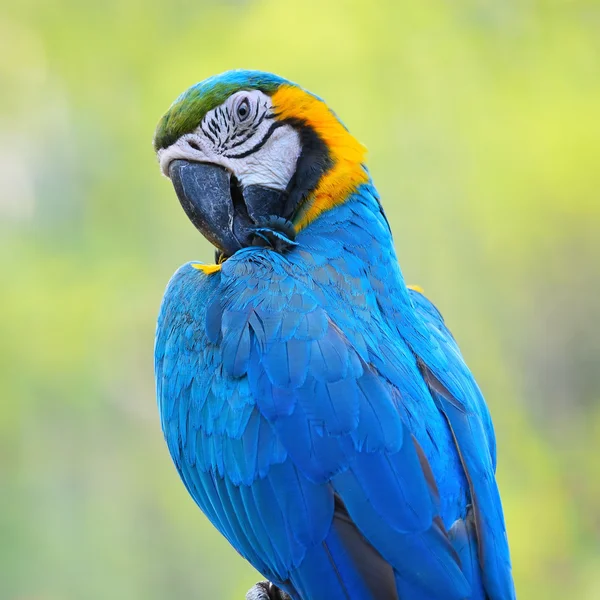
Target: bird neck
(354,227)
(350,250)
(337,185)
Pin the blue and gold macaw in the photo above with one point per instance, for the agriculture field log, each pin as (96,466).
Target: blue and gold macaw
(317,409)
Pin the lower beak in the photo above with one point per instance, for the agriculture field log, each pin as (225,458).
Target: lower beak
(225,215)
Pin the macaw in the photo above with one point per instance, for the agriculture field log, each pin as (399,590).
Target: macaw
(317,409)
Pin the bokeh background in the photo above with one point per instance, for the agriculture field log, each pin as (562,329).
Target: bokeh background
(483,123)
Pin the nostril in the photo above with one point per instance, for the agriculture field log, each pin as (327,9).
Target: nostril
(193,145)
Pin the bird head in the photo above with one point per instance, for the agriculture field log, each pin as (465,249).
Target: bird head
(255,158)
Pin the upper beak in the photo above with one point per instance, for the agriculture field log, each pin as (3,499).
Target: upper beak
(226,215)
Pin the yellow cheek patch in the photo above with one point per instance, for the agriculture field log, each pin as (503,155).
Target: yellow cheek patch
(207,269)
(347,154)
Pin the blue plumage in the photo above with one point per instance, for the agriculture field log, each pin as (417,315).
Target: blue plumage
(322,417)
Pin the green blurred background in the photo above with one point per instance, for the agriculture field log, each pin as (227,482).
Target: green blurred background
(483,125)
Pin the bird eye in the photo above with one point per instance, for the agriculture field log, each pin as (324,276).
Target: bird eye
(243,109)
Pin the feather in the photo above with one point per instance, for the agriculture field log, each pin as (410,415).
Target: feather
(470,438)
(463,536)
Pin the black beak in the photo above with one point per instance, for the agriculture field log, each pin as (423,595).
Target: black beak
(213,201)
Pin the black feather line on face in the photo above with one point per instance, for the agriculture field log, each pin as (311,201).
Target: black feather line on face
(212,125)
(207,134)
(314,161)
(245,130)
(247,135)
(260,144)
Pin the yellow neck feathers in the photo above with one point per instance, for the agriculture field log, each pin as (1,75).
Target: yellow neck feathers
(347,154)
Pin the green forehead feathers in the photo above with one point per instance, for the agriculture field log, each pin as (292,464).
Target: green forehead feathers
(185,114)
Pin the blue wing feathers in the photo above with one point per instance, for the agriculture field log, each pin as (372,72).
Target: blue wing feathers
(311,431)
(331,569)
(463,535)
(489,520)
(404,502)
(472,430)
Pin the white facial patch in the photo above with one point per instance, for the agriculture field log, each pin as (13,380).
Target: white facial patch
(243,136)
